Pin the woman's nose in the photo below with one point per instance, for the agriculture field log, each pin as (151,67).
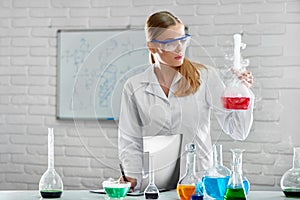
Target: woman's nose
(179,47)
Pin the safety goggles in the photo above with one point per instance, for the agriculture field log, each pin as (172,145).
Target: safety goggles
(173,44)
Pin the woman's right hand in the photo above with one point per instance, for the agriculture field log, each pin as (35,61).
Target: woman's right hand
(133,182)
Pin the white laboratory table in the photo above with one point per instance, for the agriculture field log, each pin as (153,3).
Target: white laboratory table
(86,195)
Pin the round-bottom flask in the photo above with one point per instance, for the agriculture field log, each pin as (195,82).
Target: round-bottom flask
(236,96)
(290,181)
(216,178)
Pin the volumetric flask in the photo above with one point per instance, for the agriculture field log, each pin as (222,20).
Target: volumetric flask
(290,181)
(151,191)
(51,185)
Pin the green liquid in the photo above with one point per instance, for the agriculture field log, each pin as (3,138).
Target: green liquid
(116,192)
(235,194)
(292,192)
(51,193)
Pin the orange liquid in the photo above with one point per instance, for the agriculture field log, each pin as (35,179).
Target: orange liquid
(185,191)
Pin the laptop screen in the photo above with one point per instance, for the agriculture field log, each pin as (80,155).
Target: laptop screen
(165,152)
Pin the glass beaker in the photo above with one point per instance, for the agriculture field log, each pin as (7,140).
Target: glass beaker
(186,186)
(236,95)
(290,181)
(116,190)
(235,188)
(151,191)
(50,185)
(216,178)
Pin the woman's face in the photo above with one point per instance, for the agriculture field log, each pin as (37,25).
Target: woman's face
(175,56)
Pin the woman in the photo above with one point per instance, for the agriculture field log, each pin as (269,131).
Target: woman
(174,96)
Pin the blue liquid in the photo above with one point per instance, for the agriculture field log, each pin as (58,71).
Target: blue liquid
(216,187)
(246,186)
(196,197)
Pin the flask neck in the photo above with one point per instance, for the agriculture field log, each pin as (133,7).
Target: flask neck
(190,164)
(151,175)
(236,175)
(237,160)
(217,155)
(237,168)
(50,149)
(296,158)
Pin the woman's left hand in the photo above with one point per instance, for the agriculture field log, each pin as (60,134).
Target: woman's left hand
(246,76)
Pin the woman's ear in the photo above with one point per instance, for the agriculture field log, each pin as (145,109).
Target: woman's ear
(151,47)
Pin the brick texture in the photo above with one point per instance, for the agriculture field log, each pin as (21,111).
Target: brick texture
(86,150)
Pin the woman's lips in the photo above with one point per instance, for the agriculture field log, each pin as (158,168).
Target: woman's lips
(178,57)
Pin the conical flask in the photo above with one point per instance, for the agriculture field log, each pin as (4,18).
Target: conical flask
(236,95)
(51,185)
(186,185)
(235,188)
(151,191)
(290,181)
(216,178)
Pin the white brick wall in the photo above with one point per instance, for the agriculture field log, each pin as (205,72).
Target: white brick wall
(86,150)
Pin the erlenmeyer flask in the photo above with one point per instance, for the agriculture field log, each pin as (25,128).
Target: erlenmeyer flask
(236,95)
(51,185)
(216,178)
(151,191)
(187,184)
(235,188)
(290,181)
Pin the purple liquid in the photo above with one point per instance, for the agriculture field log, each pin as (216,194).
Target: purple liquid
(149,195)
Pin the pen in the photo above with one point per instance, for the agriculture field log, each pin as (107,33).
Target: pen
(123,173)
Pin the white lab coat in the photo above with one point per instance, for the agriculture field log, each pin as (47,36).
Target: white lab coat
(146,111)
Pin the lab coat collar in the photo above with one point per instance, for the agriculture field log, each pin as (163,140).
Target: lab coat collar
(153,86)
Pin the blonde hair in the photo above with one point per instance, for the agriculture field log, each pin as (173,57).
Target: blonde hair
(155,25)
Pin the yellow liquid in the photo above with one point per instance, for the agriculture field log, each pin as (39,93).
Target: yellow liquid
(185,191)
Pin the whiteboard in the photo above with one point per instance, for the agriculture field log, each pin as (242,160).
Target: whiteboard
(93,66)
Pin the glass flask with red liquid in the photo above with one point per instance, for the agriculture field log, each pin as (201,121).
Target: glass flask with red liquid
(186,186)
(236,95)
(290,181)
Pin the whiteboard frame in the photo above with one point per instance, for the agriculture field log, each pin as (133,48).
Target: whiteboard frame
(59,114)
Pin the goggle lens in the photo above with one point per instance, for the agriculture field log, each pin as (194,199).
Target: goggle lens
(174,44)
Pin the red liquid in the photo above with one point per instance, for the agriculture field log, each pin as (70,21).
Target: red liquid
(236,103)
